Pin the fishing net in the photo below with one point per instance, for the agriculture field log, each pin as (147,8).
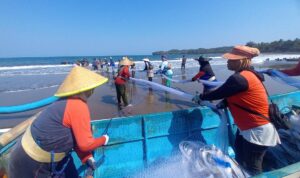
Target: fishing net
(222,132)
(205,82)
(283,78)
(202,160)
(288,152)
(159,87)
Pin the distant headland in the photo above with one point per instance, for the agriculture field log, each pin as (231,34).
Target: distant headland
(280,46)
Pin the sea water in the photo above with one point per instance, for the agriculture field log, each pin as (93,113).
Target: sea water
(23,74)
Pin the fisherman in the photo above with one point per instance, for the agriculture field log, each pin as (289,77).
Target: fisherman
(163,68)
(95,64)
(133,70)
(205,73)
(169,74)
(45,148)
(112,64)
(149,69)
(106,63)
(183,62)
(244,89)
(121,79)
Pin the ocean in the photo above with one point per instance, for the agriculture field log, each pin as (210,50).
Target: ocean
(25,80)
(34,73)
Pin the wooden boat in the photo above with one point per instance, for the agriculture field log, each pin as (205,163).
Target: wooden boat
(140,141)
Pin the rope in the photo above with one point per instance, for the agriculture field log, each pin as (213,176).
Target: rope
(205,82)
(163,88)
(28,106)
(283,78)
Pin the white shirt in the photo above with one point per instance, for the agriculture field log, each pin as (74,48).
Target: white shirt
(163,65)
(265,135)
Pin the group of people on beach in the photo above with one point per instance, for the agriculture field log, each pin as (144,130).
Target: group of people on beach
(98,64)
(44,150)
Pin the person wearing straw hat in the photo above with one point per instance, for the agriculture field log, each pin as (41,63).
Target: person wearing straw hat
(121,79)
(205,73)
(44,149)
(244,89)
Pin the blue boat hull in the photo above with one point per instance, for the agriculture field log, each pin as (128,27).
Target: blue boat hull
(138,142)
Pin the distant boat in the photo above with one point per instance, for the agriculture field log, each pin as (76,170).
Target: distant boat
(140,141)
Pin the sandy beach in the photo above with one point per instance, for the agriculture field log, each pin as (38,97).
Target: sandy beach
(103,102)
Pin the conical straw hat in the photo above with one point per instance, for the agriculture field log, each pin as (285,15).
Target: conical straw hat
(126,62)
(79,80)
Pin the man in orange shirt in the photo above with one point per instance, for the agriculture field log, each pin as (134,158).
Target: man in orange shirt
(244,89)
(44,149)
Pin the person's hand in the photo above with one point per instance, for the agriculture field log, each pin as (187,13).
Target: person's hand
(91,167)
(106,139)
(91,163)
(193,79)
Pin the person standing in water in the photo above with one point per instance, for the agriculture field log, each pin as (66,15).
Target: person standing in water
(169,74)
(112,65)
(133,68)
(45,148)
(149,69)
(163,69)
(205,73)
(183,62)
(121,80)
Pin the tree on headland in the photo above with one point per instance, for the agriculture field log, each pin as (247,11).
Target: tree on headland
(277,46)
(280,46)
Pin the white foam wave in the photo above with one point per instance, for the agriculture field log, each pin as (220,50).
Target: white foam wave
(176,64)
(29,89)
(34,67)
(30,74)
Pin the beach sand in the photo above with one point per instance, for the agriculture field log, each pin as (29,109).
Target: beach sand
(103,103)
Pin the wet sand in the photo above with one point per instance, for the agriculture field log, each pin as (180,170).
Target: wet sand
(103,103)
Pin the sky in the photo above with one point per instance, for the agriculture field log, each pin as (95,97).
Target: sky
(37,28)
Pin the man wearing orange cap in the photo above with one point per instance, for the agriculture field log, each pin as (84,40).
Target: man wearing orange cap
(44,149)
(244,89)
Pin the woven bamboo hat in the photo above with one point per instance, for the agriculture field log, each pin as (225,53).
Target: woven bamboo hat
(126,62)
(79,80)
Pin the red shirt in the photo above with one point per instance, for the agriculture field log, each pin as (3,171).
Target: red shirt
(200,74)
(77,117)
(123,75)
